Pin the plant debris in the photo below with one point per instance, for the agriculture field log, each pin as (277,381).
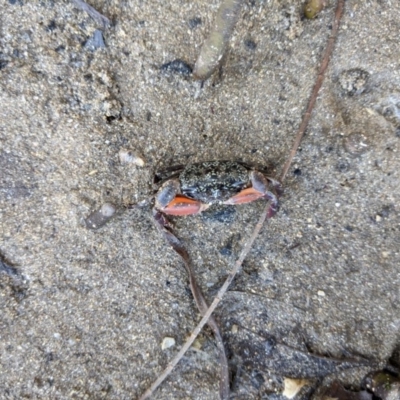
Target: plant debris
(313,7)
(214,46)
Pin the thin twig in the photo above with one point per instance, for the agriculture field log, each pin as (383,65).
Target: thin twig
(247,247)
(213,49)
(314,94)
(201,302)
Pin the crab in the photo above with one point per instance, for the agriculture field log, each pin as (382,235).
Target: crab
(193,189)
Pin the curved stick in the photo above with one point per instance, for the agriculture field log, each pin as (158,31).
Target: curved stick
(201,302)
(317,86)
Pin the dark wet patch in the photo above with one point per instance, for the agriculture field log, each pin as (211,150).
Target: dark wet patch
(227,248)
(224,214)
(267,353)
(12,279)
(16,179)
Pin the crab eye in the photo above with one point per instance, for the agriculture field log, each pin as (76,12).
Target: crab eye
(190,191)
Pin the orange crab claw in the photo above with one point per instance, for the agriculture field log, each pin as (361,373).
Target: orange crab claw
(245,196)
(182,205)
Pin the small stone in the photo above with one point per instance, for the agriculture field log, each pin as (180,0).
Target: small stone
(356,144)
(321,293)
(234,329)
(197,344)
(177,67)
(378,218)
(167,343)
(194,22)
(385,254)
(100,217)
(96,41)
(297,172)
(342,166)
(292,387)
(313,7)
(130,157)
(51,26)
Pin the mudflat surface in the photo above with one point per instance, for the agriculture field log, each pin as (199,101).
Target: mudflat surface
(84,313)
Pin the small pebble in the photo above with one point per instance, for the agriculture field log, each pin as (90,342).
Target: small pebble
(51,26)
(177,67)
(197,344)
(297,172)
(130,157)
(167,343)
(356,144)
(292,387)
(321,293)
(343,166)
(100,217)
(96,41)
(194,22)
(313,7)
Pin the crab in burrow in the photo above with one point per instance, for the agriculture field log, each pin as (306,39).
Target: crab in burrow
(194,188)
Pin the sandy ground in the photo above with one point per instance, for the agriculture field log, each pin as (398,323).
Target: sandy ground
(84,313)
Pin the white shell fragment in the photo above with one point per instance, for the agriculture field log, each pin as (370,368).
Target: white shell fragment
(167,343)
(100,217)
(292,387)
(130,157)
